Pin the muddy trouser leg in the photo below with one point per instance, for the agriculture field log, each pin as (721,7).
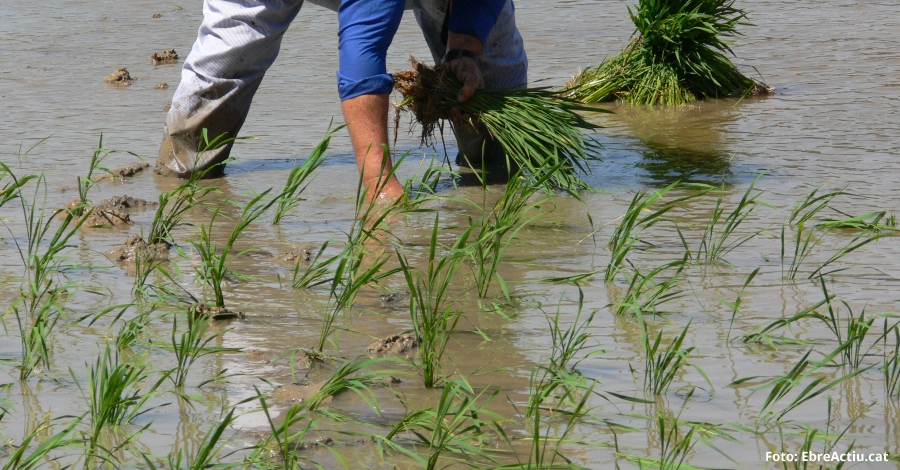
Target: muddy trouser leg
(237,42)
(503,64)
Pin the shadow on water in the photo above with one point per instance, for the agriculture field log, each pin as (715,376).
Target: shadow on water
(666,164)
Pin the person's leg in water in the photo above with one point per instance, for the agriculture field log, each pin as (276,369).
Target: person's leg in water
(366,31)
(503,64)
(237,42)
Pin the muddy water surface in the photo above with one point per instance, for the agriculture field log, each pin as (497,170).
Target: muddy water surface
(833,122)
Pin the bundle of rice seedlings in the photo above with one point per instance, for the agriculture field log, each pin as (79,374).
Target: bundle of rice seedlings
(678,55)
(538,128)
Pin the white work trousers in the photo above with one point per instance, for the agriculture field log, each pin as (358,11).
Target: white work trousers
(238,41)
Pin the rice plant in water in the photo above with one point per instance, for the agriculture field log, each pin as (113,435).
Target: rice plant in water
(661,366)
(117,394)
(675,443)
(434,316)
(641,215)
(540,130)
(21,459)
(646,293)
(290,196)
(455,429)
(783,386)
(191,345)
(41,295)
(891,365)
(497,227)
(570,346)
(716,241)
(679,54)
(805,239)
(215,262)
(86,182)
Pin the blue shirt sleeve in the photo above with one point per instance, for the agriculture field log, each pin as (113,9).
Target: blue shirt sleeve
(475,17)
(366,30)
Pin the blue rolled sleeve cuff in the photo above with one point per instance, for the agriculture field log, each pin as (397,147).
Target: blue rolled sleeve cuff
(374,85)
(366,29)
(475,17)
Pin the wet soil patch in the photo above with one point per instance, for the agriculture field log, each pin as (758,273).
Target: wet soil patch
(157,15)
(126,203)
(214,313)
(397,344)
(293,257)
(120,77)
(167,56)
(107,218)
(162,86)
(126,171)
(167,107)
(135,247)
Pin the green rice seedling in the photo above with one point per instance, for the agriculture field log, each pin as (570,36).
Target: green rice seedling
(455,429)
(800,372)
(132,329)
(645,295)
(208,451)
(317,272)
(35,330)
(674,443)
(434,316)
(41,254)
(679,55)
(296,421)
(215,262)
(290,196)
(86,182)
(352,270)
(117,394)
(891,367)
(858,242)
(736,305)
(21,459)
(13,187)
(853,333)
(568,345)
(540,130)
(661,366)
(640,217)
(191,345)
(551,394)
(498,227)
(805,240)
(871,222)
(715,243)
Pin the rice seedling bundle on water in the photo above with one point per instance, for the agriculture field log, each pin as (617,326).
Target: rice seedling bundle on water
(679,55)
(539,129)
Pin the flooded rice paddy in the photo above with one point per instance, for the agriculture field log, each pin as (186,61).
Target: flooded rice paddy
(832,123)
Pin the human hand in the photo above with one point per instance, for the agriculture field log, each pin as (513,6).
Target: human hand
(468,73)
(465,68)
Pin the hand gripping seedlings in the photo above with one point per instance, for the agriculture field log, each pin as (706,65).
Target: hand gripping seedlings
(540,130)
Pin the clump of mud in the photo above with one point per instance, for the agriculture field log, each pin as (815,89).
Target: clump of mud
(167,56)
(127,171)
(213,313)
(105,218)
(119,77)
(136,248)
(393,297)
(293,257)
(167,107)
(126,203)
(397,344)
(157,15)
(162,86)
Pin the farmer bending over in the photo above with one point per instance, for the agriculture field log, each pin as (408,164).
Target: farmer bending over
(239,39)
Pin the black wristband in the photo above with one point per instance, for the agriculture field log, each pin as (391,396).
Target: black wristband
(454,54)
